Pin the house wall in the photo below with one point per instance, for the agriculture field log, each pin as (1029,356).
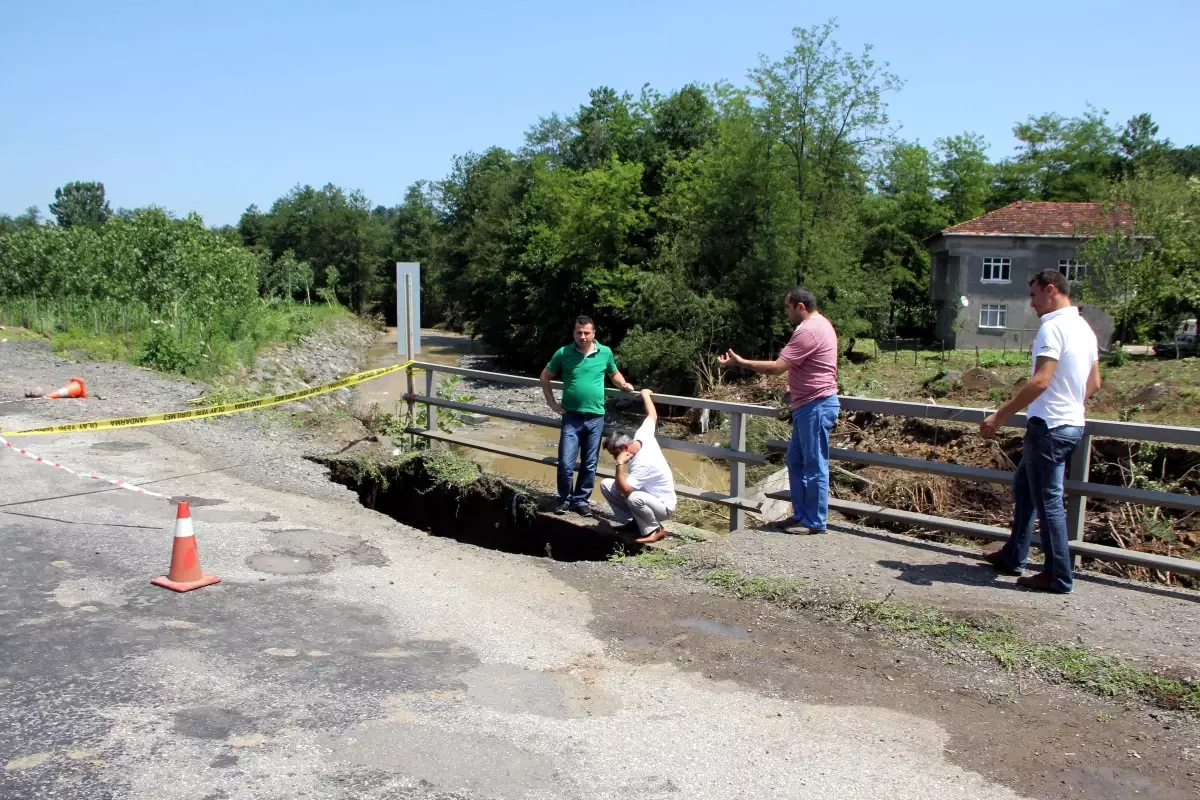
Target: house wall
(957,272)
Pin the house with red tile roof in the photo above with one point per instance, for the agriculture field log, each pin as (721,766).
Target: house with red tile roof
(981,268)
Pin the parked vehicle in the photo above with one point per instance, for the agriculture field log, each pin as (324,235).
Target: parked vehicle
(1185,343)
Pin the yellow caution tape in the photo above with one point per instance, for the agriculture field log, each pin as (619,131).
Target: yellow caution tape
(211,411)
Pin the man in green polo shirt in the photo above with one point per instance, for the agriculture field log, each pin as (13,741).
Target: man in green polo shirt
(582,367)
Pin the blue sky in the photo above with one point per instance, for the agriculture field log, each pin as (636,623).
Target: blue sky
(213,106)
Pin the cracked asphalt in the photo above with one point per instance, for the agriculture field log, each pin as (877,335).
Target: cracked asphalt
(345,655)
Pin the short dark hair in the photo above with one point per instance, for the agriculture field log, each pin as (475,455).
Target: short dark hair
(1052,277)
(802,296)
(583,319)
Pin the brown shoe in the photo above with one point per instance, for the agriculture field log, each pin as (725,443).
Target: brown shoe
(996,559)
(1040,582)
(656,535)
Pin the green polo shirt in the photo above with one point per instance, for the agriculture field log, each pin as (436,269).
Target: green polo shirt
(583,376)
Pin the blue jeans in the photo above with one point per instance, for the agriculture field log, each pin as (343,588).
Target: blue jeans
(579,440)
(1038,490)
(808,460)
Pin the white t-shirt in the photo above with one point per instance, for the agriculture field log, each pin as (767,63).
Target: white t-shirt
(649,471)
(1066,337)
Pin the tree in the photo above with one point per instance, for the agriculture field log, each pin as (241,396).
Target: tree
(288,278)
(1146,272)
(1185,161)
(1141,150)
(1058,159)
(609,125)
(325,228)
(826,109)
(30,220)
(898,217)
(413,231)
(962,175)
(80,203)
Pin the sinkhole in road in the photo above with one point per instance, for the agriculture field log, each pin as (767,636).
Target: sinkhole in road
(477,509)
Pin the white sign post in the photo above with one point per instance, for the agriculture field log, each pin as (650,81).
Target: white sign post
(408,309)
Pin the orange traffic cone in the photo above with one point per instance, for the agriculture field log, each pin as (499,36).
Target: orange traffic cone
(73,389)
(185,573)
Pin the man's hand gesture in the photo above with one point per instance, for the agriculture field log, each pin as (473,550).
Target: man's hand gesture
(989,427)
(730,359)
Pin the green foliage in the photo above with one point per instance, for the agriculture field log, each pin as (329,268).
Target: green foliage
(990,359)
(334,241)
(752,586)
(1100,674)
(170,266)
(445,466)
(1059,158)
(80,203)
(164,351)
(653,558)
(942,387)
(676,220)
(997,637)
(286,277)
(1119,357)
(963,175)
(1145,274)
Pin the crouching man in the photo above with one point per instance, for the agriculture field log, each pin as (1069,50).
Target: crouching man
(642,496)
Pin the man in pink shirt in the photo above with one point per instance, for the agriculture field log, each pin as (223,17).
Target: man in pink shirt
(810,361)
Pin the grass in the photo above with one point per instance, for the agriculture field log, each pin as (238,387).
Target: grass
(1099,674)
(198,348)
(909,375)
(652,558)
(774,590)
(446,467)
(995,636)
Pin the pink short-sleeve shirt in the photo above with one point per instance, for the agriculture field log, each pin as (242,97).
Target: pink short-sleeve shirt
(812,355)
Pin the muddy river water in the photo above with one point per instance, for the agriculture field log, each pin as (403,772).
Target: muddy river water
(441,347)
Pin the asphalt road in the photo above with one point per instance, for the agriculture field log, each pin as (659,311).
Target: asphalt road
(384,664)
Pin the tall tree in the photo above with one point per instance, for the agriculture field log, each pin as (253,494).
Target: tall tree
(1141,150)
(898,217)
(1144,267)
(826,109)
(1185,160)
(80,203)
(962,175)
(1059,159)
(30,220)
(331,230)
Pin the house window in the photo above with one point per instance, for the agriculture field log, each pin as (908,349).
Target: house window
(993,316)
(1072,269)
(997,270)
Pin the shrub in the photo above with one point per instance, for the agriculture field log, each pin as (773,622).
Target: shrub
(164,351)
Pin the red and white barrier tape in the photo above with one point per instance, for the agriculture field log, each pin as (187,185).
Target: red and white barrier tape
(117,482)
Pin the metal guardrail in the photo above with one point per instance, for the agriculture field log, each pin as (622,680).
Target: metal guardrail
(1077,486)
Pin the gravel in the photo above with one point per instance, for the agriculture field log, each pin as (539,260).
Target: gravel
(265,448)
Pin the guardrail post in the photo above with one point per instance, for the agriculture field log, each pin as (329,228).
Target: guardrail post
(1078,470)
(431,411)
(737,469)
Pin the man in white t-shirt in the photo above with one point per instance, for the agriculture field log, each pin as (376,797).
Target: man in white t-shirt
(1066,373)
(642,495)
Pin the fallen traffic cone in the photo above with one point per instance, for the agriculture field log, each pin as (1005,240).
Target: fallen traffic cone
(185,573)
(73,389)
